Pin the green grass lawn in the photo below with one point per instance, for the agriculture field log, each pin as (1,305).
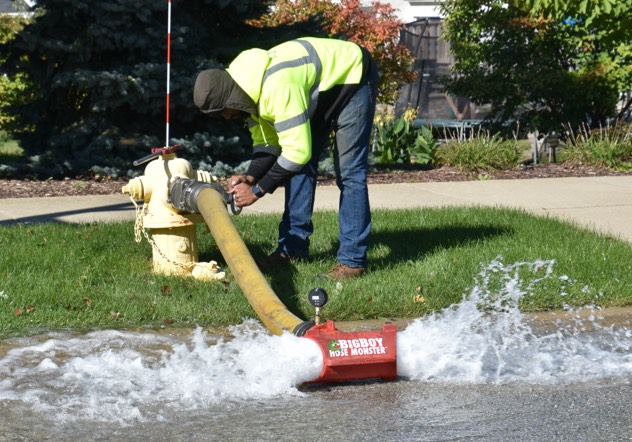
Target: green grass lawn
(79,277)
(9,150)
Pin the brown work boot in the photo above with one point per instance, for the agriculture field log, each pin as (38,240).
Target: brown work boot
(342,272)
(276,259)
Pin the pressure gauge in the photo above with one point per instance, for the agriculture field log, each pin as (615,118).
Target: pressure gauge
(318,297)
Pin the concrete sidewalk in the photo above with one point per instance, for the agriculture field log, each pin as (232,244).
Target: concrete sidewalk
(600,203)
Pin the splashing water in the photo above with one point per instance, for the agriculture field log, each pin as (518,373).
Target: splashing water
(119,376)
(486,339)
(122,377)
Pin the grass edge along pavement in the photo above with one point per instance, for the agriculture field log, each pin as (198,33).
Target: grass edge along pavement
(93,276)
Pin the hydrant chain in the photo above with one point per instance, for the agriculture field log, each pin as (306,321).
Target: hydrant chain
(138,221)
(139,230)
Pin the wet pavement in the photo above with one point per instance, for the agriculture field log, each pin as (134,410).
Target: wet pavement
(397,411)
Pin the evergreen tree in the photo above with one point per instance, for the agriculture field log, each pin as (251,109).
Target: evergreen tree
(98,73)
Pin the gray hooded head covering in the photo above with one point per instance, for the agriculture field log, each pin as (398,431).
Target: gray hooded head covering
(215,90)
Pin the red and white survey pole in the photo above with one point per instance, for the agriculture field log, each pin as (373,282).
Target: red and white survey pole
(168,69)
(158,151)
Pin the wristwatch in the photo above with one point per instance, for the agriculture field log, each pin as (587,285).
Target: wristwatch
(257,191)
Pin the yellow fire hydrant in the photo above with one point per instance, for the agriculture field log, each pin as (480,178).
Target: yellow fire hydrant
(173,235)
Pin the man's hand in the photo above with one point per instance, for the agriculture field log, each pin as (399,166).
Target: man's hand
(237,179)
(242,194)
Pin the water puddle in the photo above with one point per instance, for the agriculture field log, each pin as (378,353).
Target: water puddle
(140,380)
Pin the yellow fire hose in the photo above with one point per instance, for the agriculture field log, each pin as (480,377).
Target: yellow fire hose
(208,201)
(346,355)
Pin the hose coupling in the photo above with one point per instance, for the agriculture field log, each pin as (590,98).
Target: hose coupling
(184,192)
(302,328)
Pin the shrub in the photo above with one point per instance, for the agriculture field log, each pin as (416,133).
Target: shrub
(609,147)
(13,89)
(397,140)
(480,152)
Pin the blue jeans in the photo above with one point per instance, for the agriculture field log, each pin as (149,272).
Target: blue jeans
(353,134)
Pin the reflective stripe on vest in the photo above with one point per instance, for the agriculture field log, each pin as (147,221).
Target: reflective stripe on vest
(311,58)
(267,148)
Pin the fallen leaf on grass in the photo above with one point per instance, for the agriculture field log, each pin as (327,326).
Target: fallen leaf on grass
(19,312)
(418,299)
(166,290)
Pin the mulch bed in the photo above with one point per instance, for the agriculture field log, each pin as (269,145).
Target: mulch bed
(27,188)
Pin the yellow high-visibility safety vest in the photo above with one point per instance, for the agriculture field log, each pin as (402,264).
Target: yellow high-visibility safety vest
(285,83)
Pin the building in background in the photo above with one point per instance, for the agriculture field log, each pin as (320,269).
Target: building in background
(16,7)
(412,10)
(422,32)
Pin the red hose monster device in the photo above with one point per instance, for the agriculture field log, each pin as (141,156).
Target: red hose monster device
(350,356)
